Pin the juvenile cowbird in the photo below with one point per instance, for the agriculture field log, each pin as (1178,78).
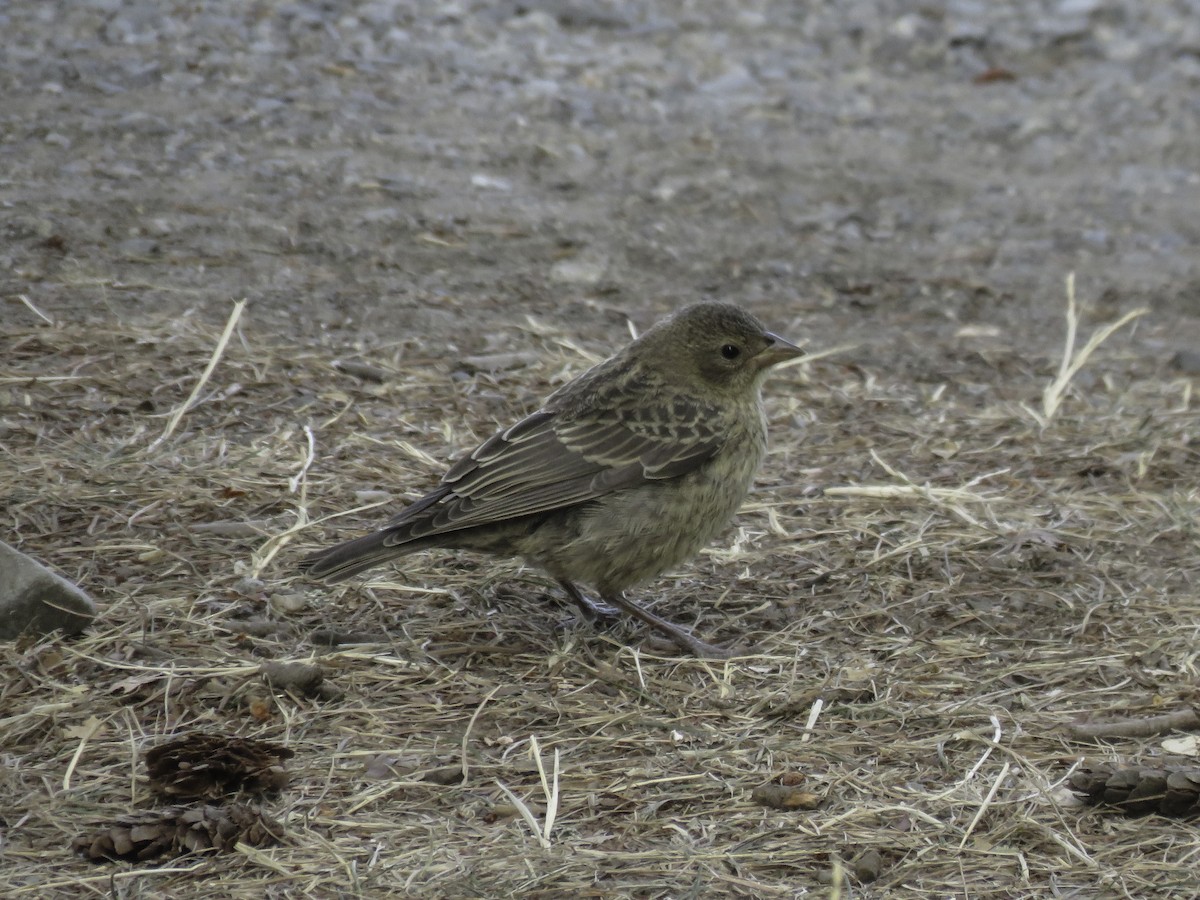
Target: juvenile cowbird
(624,472)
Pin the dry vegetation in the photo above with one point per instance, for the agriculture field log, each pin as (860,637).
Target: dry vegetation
(940,579)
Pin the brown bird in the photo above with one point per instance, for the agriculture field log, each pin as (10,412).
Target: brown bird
(623,473)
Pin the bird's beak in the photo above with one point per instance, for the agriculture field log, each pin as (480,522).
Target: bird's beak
(780,350)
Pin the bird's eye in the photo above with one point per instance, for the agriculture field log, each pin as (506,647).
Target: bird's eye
(731,351)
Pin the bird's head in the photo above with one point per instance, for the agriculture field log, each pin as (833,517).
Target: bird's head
(715,345)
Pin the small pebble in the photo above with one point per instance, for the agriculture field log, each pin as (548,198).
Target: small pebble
(1187,362)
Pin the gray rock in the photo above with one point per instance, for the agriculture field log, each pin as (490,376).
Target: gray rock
(1187,361)
(34,599)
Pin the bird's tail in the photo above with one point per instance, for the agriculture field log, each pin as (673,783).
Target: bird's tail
(346,560)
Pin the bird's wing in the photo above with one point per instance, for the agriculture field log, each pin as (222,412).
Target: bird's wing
(550,460)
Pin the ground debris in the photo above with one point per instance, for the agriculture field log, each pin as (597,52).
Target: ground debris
(1139,790)
(177,830)
(363,371)
(935,582)
(36,600)
(302,679)
(868,866)
(1129,727)
(801,702)
(210,766)
(785,796)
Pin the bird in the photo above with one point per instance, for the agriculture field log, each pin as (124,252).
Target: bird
(625,472)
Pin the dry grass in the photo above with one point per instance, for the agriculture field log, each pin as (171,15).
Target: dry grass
(939,585)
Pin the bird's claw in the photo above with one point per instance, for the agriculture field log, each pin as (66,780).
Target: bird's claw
(592,610)
(599,612)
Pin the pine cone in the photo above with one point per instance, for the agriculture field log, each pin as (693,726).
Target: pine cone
(177,830)
(210,766)
(1137,790)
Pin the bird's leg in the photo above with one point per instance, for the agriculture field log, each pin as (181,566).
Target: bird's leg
(680,636)
(591,610)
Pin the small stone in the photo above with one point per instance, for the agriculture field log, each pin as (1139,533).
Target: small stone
(868,867)
(1187,361)
(444,775)
(583,269)
(490,182)
(289,601)
(34,599)
(302,678)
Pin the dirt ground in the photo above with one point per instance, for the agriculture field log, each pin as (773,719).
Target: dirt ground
(942,570)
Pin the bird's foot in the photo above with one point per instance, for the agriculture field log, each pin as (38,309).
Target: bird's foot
(681,637)
(595,611)
(592,610)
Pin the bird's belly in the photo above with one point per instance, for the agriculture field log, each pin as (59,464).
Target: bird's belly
(630,536)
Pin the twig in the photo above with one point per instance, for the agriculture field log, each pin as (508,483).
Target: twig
(33,309)
(182,409)
(946,498)
(470,725)
(526,814)
(264,554)
(550,789)
(89,729)
(813,715)
(1181,720)
(1071,364)
(299,480)
(997,733)
(987,801)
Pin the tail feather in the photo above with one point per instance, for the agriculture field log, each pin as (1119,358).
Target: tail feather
(345,560)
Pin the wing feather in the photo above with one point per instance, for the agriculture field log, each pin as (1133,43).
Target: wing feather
(551,460)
